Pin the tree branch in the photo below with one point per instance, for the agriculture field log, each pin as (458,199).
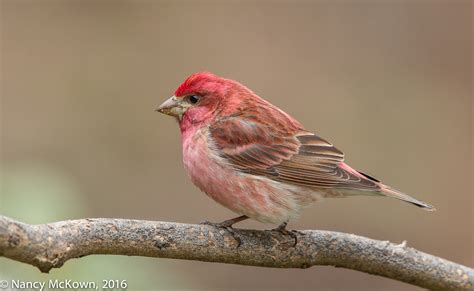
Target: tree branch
(48,246)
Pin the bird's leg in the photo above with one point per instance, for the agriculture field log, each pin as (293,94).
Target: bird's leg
(230,222)
(282,229)
(227,225)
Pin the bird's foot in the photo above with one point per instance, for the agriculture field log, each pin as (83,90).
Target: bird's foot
(292,233)
(227,225)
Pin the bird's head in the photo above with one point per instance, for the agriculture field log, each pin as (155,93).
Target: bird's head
(202,97)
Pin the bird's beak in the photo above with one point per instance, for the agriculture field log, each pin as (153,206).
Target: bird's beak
(172,107)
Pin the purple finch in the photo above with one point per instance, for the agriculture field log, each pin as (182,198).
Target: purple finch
(255,159)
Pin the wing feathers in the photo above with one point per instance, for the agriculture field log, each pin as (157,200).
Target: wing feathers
(291,155)
(261,145)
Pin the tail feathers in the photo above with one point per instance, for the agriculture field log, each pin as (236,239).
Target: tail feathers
(389,192)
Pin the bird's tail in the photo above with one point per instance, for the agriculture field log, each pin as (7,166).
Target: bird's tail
(389,192)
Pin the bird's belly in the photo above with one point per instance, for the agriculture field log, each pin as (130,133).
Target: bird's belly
(257,197)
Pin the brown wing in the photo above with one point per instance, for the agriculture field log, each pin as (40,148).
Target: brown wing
(291,155)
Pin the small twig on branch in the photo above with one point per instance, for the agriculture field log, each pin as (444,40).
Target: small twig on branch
(48,246)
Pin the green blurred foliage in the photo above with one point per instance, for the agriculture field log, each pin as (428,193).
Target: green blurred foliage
(39,193)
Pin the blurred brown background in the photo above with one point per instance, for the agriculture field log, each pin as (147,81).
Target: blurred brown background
(388,82)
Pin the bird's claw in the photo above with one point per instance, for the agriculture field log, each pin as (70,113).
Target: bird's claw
(226,226)
(292,233)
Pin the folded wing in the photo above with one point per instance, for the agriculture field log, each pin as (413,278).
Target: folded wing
(286,154)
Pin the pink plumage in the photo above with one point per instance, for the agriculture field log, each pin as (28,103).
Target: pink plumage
(255,159)
(197,82)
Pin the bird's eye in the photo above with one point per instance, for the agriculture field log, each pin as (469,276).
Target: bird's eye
(193,99)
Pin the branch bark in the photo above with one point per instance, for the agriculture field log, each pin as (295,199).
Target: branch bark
(48,246)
